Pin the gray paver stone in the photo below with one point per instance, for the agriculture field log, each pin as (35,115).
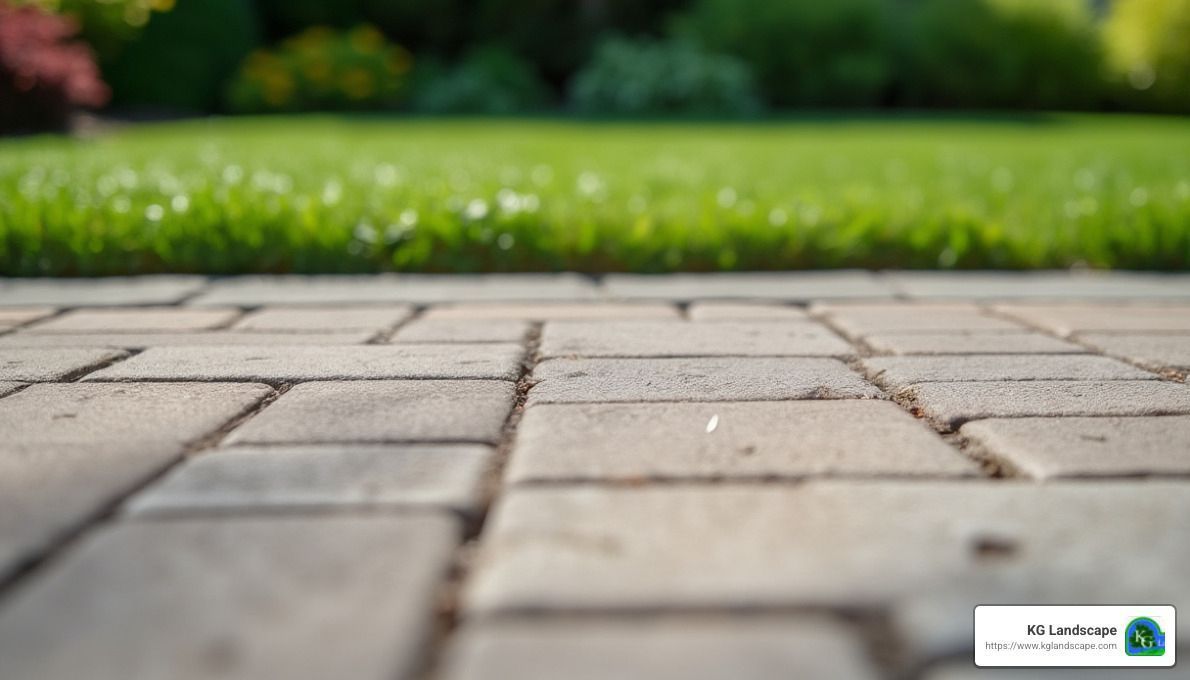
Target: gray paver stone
(372,318)
(12,317)
(244,478)
(970,343)
(300,363)
(1045,448)
(1075,318)
(682,338)
(660,650)
(203,339)
(952,404)
(7,388)
(32,365)
(1158,351)
(839,544)
(135,320)
(861,320)
(451,330)
(703,379)
(791,286)
(70,450)
(741,311)
(726,440)
(896,372)
(551,311)
(383,411)
(243,599)
(103,292)
(1041,285)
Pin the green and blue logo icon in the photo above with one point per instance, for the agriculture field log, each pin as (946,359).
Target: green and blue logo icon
(1143,637)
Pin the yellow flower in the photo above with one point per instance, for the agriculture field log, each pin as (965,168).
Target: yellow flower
(366,38)
(398,61)
(161,5)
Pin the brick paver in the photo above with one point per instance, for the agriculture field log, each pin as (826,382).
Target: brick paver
(1045,448)
(293,363)
(463,330)
(383,411)
(374,318)
(893,373)
(1158,351)
(842,544)
(14,317)
(1078,318)
(726,440)
(68,451)
(954,403)
(743,311)
(700,379)
(302,598)
(679,339)
(204,339)
(804,647)
(136,320)
(32,365)
(746,475)
(1008,342)
(321,476)
(551,311)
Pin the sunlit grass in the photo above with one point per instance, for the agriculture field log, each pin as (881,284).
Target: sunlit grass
(328,195)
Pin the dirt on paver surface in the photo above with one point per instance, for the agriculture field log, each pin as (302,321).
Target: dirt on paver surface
(536,477)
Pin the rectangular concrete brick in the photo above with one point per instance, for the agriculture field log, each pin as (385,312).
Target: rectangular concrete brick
(751,440)
(294,363)
(254,291)
(459,330)
(136,320)
(204,339)
(373,318)
(297,598)
(13,317)
(102,292)
(1041,285)
(706,379)
(1048,448)
(7,388)
(791,286)
(741,311)
(685,339)
(660,649)
(552,311)
(1024,342)
(1157,351)
(34,365)
(862,320)
(383,411)
(952,404)
(1077,318)
(340,476)
(893,373)
(837,544)
(69,451)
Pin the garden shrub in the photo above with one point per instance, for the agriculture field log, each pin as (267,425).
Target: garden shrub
(1003,53)
(559,36)
(1148,42)
(638,77)
(322,69)
(804,52)
(183,58)
(486,81)
(44,73)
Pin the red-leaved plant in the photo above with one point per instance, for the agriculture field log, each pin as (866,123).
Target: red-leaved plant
(45,74)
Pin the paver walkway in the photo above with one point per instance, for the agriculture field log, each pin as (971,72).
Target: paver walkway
(748,476)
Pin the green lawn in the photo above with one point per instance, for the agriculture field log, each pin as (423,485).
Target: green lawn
(334,195)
